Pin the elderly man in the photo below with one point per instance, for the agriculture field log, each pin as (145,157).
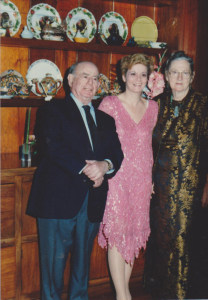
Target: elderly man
(79,150)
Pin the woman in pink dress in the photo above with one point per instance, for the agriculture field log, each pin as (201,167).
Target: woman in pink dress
(125,227)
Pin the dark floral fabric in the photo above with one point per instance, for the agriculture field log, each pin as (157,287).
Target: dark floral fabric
(180,145)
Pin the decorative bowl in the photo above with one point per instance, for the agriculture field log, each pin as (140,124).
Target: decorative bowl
(81,39)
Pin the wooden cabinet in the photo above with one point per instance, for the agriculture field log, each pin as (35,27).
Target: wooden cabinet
(19,241)
(178,25)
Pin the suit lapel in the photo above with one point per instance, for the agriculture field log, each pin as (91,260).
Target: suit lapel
(78,124)
(99,135)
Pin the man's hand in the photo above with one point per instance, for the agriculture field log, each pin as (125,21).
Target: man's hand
(98,182)
(95,170)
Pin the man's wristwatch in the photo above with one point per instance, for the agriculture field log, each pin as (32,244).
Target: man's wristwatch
(110,165)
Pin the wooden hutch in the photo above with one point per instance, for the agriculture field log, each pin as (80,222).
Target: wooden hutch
(182,24)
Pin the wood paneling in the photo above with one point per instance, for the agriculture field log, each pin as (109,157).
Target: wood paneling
(29,226)
(30,276)
(8,273)
(10,133)
(201,60)
(7,211)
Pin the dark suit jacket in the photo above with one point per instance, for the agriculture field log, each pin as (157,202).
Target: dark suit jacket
(58,190)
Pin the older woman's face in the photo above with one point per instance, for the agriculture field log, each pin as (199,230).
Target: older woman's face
(179,76)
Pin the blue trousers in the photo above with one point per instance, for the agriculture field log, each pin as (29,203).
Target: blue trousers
(58,237)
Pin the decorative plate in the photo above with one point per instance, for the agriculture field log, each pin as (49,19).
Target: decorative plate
(144,29)
(106,22)
(39,70)
(104,87)
(10,16)
(38,15)
(82,19)
(9,83)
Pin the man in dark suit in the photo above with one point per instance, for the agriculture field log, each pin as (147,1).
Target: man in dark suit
(70,185)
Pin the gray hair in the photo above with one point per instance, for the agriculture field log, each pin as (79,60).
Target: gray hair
(177,56)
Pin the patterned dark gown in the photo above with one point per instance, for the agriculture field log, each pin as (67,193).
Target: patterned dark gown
(180,146)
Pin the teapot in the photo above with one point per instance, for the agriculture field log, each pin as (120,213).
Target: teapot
(24,90)
(48,86)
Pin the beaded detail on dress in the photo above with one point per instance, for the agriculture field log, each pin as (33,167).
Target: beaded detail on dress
(126,218)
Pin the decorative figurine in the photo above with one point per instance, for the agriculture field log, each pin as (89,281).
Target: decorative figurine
(114,37)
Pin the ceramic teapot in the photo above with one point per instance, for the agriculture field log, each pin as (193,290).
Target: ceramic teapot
(48,86)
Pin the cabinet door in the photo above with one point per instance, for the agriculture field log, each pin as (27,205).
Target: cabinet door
(7,210)
(8,245)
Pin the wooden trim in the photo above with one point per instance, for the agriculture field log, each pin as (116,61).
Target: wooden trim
(7,242)
(18,207)
(70,46)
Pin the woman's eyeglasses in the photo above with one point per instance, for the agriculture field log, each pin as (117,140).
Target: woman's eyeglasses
(175,74)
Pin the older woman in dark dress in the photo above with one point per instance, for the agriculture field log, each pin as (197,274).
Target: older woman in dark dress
(180,143)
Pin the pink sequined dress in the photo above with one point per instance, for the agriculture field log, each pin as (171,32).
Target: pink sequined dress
(126,219)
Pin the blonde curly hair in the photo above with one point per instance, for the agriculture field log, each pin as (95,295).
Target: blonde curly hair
(127,62)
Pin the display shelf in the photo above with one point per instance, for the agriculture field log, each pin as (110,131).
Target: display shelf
(158,3)
(70,46)
(30,101)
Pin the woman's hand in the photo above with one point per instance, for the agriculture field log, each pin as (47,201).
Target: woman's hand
(205,195)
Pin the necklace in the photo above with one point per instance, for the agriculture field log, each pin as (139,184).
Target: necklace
(176,108)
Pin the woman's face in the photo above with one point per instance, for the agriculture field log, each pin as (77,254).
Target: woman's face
(136,78)
(179,76)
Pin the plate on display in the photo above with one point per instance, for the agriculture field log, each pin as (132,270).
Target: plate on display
(10,83)
(144,29)
(42,71)
(39,15)
(10,17)
(112,28)
(104,87)
(80,21)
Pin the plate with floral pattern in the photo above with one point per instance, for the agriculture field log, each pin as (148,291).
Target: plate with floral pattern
(39,15)
(80,20)
(107,21)
(10,17)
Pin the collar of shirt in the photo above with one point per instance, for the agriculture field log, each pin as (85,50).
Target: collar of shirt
(79,105)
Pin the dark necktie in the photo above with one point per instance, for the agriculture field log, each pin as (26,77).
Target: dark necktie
(91,123)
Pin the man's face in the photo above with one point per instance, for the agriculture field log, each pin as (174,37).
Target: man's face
(84,82)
